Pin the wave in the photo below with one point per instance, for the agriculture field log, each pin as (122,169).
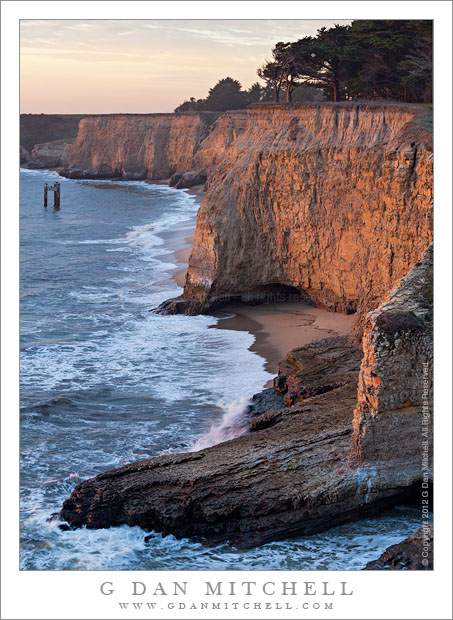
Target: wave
(234,423)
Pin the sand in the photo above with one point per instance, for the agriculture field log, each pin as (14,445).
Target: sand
(278,327)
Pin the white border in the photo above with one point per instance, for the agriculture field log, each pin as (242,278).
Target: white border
(377,594)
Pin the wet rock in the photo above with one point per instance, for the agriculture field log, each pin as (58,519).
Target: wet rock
(413,553)
(289,477)
(264,401)
(174,178)
(191,178)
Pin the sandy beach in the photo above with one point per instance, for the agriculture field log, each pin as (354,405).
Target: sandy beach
(278,327)
(182,241)
(281,326)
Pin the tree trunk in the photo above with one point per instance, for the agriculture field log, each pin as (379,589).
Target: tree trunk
(288,92)
(335,90)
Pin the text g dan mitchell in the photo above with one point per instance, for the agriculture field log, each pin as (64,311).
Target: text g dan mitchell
(230,588)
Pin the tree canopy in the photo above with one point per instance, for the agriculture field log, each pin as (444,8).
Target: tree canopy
(369,59)
(373,59)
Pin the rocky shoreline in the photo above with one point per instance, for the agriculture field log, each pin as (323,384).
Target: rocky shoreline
(306,200)
(289,476)
(414,553)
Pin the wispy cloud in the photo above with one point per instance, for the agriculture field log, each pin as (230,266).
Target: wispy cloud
(163,62)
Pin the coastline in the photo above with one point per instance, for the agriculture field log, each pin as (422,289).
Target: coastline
(277,326)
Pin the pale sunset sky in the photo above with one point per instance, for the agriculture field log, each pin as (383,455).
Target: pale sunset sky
(104,66)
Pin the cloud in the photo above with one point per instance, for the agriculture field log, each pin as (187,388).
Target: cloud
(85,27)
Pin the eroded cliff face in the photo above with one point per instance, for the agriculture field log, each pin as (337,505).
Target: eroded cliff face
(215,146)
(48,154)
(152,146)
(333,199)
(392,420)
(336,201)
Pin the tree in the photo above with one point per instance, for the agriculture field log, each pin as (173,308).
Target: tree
(255,93)
(272,73)
(419,67)
(382,57)
(227,94)
(378,59)
(320,60)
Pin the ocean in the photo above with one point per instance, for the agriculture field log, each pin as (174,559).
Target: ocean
(104,382)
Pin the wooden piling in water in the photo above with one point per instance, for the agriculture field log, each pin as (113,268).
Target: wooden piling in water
(55,188)
(56,195)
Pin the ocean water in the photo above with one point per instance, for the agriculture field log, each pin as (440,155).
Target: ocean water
(105,382)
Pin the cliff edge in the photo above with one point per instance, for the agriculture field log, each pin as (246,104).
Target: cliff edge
(332,199)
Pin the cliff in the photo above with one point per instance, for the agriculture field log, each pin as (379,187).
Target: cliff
(336,201)
(395,381)
(48,155)
(333,199)
(311,466)
(41,128)
(152,146)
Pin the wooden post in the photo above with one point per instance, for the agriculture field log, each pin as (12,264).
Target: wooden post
(45,195)
(56,195)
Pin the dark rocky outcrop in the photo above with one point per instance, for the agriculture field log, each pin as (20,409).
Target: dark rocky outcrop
(338,206)
(191,178)
(289,476)
(413,553)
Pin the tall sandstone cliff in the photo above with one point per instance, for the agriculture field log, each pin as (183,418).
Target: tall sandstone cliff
(151,146)
(334,200)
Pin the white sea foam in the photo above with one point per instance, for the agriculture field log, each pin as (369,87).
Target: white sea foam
(171,361)
(234,423)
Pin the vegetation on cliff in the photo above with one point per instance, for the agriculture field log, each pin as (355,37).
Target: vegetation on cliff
(370,59)
(228,94)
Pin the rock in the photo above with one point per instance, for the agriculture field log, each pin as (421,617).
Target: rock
(287,478)
(395,379)
(178,305)
(413,553)
(48,155)
(24,155)
(264,401)
(153,146)
(174,178)
(317,208)
(191,178)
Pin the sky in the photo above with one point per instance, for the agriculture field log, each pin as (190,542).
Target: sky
(105,66)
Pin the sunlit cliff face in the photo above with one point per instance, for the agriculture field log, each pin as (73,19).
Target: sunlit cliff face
(102,66)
